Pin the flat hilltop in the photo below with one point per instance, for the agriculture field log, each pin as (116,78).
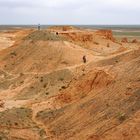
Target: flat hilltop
(69,83)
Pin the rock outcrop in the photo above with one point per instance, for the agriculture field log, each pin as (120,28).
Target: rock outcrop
(135,41)
(124,40)
(107,34)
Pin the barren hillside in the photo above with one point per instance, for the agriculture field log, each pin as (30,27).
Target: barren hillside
(47,92)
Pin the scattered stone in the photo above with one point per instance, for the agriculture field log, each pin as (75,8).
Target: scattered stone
(1,104)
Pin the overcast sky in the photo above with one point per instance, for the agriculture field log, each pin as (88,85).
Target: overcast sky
(70,11)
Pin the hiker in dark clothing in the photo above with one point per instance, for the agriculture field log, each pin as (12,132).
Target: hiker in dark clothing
(84,59)
(38,27)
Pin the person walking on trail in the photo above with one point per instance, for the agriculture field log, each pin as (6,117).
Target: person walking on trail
(84,59)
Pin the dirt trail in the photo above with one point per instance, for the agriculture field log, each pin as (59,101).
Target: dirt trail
(62,98)
(37,107)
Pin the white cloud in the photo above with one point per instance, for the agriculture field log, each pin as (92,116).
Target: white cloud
(70,11)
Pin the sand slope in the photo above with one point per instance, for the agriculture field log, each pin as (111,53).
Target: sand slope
(48,93)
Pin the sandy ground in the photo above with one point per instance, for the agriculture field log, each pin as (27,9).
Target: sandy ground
(48,92)
(9,38)
(6,40)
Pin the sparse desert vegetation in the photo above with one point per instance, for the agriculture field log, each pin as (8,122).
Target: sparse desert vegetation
(48,93)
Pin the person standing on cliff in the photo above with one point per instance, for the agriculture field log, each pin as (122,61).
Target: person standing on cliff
(38,27)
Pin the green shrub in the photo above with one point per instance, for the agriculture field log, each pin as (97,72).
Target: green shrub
(121,117)
(13,54)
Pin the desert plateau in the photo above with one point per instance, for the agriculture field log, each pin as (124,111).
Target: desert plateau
(69,83)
